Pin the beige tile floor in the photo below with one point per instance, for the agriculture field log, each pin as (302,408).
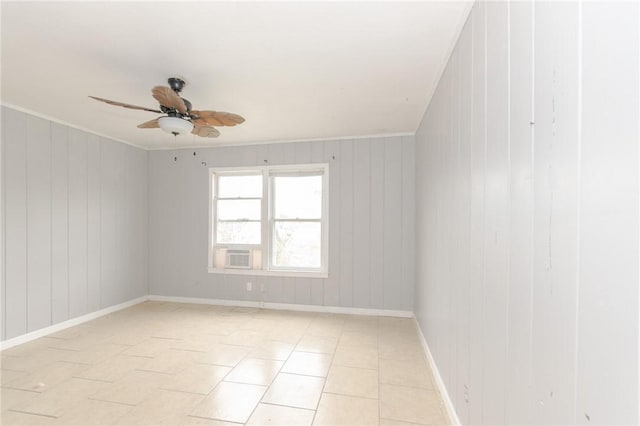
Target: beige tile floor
(160,363)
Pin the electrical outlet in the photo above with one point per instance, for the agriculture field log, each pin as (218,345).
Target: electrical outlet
(249,286)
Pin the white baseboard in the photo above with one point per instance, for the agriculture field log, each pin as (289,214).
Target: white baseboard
(285,306)
(9,343)
(448,404)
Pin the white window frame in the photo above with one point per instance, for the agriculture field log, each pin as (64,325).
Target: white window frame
(267,220)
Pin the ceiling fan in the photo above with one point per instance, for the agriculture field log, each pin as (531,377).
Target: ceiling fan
(180,118)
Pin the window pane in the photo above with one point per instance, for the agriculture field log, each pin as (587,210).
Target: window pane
(232,186)
(238,233)
(296,244)
(298,197)
(238,209)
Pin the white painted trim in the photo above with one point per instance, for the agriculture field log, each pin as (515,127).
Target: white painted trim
(246,170)
(73,126)
(9,343)
(263,273)
(448,404)
(284,306)
(274,141)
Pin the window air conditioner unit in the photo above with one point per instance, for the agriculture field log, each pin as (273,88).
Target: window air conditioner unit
(239,259)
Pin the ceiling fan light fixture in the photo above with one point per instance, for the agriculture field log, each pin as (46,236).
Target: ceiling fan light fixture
(175,125)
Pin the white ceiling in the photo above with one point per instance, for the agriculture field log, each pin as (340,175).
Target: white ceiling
(294,70)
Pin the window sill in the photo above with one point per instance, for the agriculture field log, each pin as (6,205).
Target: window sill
(261,273)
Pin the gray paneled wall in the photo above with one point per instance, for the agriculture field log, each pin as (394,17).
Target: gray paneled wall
(75,223)
(371,223)
(527,215)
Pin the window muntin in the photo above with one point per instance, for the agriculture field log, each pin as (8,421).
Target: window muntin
(280,213)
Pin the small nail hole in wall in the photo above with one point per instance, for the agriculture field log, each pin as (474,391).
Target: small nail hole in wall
(333,157)
(175,158)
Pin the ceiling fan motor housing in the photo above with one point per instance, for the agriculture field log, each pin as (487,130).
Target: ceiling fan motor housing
(176,83)
(174,112)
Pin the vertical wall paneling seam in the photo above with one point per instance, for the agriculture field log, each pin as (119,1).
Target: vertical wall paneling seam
(26,220)
(51,156)
(484,202)
(370,230)
(86,284)
(509,187)
(148,196)
(411,271)
(532,128)
(402,224)
(403,272)
(456,122)
(99,221)
(384,195)
(66,136)
(578,213)
(4,227)
(638,70)
(149,222)
(450,203)
(471,157)
(368,210)
(353,248)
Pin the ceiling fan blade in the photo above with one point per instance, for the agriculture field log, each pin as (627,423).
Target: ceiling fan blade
(122,104)
(217,118)
(205,131)
(197,121)
(151,124)
(168,98)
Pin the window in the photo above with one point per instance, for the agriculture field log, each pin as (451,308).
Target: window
(239,205)
(269,220)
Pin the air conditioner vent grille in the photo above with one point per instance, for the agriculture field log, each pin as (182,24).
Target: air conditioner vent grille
(239,259)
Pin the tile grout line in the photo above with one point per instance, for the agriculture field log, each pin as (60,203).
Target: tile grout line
(311,320)
(327,377)
(268,386)
(32,414)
